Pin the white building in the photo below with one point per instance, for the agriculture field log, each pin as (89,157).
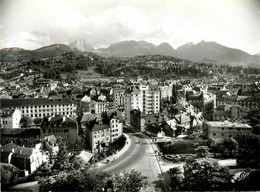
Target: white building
(227,129)
(98,107)
(119,97)
(145,98)
(116,129)
(102,136)
(166,91)
(10,118)
(40,107)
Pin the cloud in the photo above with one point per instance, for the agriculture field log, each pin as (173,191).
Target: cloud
(25,40)
(31,23)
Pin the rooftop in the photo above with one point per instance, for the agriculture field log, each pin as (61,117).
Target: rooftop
(33,101)
(228,124)
(23,152)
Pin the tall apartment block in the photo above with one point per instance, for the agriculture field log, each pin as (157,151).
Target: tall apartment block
(145,98)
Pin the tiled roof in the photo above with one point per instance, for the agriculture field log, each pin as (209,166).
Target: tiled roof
(87,117)
(24,152)
(228,124)
(8,147)
(32,102)
(182,118)
(99,127)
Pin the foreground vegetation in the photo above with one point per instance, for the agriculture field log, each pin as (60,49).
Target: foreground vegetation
(73,174)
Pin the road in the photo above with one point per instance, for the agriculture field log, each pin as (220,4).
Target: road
(30,186)
(140,155)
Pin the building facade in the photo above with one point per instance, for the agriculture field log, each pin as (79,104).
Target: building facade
(40,107)
(227,129)
(10,118)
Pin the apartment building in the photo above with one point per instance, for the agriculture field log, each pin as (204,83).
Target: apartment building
(63,127)
(102,135)
(98,107)
(145,98)
(166,91)
(119,98)
(116,128)
(40,107)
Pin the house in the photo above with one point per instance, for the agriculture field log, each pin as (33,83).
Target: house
(148,120)
(28,159)
(6,152)
(183,121)
(61,126)
(10,118)
(24,158)
(86,119)
(99,137)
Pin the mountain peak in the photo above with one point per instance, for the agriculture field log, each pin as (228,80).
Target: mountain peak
(81,45)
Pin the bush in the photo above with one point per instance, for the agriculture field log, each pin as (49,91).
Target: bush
(9,173)
(180,147)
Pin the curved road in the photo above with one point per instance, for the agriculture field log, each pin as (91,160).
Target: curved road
(140,155)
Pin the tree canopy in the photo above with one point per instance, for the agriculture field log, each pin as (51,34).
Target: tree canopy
(73,174)
(205,175)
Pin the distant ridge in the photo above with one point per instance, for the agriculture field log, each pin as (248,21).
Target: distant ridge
(19,54)
(207,52)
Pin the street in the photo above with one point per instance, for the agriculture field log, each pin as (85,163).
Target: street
(141,157)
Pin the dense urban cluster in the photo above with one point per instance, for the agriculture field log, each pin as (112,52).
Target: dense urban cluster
(197,121)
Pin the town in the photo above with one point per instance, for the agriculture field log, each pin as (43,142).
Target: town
(175,121)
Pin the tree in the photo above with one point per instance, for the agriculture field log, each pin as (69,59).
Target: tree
(129,181)
(9,173)
(202,151)
(230,146)
(62,160)
(73,174)
(176,178)
(205,175)
(37,121)
(248,153)
(26,121)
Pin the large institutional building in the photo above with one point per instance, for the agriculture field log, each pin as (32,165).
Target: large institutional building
(40,107)
(227,129)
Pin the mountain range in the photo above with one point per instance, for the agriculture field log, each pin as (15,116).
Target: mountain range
(207,52)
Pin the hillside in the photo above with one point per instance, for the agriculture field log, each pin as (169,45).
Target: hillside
(19,54)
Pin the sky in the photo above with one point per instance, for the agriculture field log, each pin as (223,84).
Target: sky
(32,24)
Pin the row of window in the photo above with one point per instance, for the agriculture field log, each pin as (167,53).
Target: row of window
(47,114)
